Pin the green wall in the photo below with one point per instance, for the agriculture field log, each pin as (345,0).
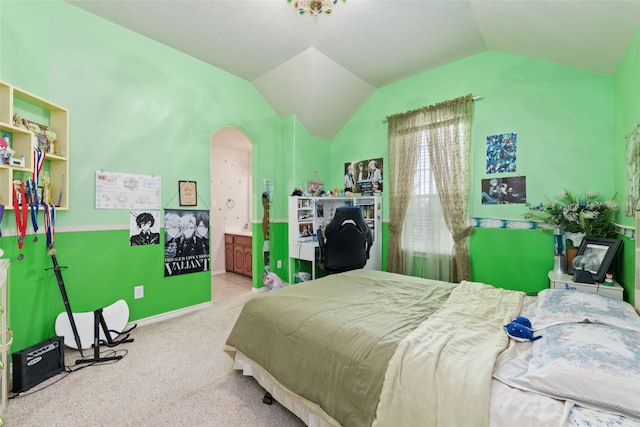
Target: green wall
(311,159)
(303,158)
(563,117)
(137,106)
(626,87)
(626,107)
(564,120)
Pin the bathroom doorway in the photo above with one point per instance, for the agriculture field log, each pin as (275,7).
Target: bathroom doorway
(231,188)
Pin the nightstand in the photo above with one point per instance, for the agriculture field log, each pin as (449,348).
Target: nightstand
(565,281)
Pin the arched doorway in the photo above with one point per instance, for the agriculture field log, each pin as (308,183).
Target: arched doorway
(231,177)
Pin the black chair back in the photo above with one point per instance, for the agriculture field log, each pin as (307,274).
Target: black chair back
(346,241)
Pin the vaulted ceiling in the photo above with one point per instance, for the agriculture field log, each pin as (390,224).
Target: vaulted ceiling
(324,68)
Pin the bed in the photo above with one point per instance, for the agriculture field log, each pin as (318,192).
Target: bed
(371,348)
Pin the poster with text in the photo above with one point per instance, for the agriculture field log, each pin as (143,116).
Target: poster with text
(501,153)
(186,241)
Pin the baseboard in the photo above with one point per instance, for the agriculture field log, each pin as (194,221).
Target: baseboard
(170,314)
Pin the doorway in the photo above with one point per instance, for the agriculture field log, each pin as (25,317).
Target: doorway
(231,188)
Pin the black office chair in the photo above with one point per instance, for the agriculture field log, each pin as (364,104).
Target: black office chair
(346,241)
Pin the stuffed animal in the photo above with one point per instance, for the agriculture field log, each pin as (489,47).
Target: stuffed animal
(520,330)
(523,321)
(273,282)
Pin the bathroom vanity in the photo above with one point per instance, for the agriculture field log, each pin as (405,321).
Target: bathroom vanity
(238,256)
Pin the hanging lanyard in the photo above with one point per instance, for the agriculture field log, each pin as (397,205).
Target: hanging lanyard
(32,188)
(38,161)
(49,223)
(20,210)
(33,205)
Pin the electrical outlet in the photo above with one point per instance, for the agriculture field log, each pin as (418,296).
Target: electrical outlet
(279,263)
(138,292)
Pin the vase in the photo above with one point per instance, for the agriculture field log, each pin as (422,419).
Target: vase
(559,264)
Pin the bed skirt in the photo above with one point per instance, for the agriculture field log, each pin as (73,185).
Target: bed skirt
(309,412)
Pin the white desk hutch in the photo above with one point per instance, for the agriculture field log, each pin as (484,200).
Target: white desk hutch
(307,214)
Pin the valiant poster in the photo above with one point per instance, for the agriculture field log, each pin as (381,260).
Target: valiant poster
(186,241)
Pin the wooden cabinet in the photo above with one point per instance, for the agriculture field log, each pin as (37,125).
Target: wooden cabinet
(228,252)
(48,117)
(238,255)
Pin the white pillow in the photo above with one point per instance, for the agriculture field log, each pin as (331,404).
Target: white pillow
(595,366)
(556,306)
(580,416)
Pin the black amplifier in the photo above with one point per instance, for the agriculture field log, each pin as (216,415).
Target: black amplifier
(37,363)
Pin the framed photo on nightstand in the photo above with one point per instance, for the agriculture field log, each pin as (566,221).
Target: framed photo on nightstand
(596,257)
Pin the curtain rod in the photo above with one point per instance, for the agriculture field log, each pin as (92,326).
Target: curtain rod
(473,98)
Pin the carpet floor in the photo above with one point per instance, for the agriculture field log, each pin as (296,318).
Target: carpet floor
(175,373)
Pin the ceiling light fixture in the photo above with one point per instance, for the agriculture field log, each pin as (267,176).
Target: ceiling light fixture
(313,7)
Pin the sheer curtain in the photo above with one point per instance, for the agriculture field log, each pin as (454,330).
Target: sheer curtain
(429,153)
(426,240)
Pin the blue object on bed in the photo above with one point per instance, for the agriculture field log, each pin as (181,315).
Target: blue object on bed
(520,332)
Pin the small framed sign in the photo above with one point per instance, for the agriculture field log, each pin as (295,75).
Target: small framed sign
(313,187)
(16,162)
(188,192)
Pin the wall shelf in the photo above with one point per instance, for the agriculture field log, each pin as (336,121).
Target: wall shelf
(36,110)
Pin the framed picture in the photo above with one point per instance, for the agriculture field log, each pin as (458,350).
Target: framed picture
(596,255)
(314,187)
(188,192)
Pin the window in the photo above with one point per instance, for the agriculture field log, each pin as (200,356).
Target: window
(422,245)
(428,229)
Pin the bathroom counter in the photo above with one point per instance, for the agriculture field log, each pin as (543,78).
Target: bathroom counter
(238,231)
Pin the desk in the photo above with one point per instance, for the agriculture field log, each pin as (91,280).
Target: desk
(305,251)
(308,214)
(565,281)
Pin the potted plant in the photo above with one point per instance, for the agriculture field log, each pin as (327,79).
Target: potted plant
(576,216)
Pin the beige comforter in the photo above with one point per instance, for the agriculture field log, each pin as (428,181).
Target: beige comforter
(440,374)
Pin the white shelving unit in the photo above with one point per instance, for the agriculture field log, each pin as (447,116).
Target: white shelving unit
(308,214)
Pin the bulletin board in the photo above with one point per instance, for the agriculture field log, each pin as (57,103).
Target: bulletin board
(115,190)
